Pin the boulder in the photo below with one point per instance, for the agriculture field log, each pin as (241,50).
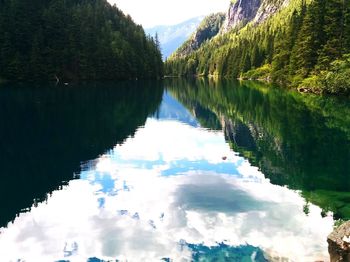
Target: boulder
(339,243)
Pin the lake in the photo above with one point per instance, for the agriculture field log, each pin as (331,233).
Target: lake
(174,170)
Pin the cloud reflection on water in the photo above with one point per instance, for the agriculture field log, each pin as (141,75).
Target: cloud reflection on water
(166,186)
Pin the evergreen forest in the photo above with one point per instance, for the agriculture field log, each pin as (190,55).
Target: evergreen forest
(73,39)
(306,45)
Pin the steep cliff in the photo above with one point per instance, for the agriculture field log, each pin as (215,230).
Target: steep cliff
(208,28)
(269,8)
(241,12)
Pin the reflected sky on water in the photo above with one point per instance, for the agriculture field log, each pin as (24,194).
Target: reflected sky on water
(169,192)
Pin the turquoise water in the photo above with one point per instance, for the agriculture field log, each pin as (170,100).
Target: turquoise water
(170,171)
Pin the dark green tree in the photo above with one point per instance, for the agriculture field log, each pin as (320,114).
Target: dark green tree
(76,39)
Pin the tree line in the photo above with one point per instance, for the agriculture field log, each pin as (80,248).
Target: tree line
(73,39)
(306,45)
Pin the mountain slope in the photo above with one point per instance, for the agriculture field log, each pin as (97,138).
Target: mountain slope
(207,29)
(300,43)
(76,39)
(172,36)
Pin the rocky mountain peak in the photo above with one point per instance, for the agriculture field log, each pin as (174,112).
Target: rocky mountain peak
(241,12)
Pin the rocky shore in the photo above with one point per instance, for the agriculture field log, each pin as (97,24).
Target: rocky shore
(339,243)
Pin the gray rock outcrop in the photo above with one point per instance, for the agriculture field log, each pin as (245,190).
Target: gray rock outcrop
(241,12)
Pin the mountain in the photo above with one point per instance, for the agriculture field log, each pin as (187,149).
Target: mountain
(76,39)
(172,36)
(206,30)
(241,12)
(304,44)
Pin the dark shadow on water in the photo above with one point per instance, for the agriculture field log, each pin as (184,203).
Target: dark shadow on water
(46,133)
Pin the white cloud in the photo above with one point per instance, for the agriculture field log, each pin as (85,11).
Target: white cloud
(182,142)
(164,12)
(126,208)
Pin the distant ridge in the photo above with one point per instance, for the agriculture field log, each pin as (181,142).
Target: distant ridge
(172,37)
(207,29)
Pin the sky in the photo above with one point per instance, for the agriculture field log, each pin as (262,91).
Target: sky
(168,12)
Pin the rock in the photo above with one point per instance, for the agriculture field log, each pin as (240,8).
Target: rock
(303,90)
(269,8)
(339,243)
(346,239)
(310,90)
(242,12)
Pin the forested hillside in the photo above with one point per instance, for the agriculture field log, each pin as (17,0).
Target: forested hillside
(75,39)
(206,30)
(303,43)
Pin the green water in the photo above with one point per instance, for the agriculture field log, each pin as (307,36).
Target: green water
(190,170)
(300,141)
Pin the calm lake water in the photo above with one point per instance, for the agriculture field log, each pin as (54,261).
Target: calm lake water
(170,171)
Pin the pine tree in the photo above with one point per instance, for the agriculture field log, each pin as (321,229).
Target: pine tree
(73,39)
(333,28)
(301,41)
(305,51)
(346,46)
